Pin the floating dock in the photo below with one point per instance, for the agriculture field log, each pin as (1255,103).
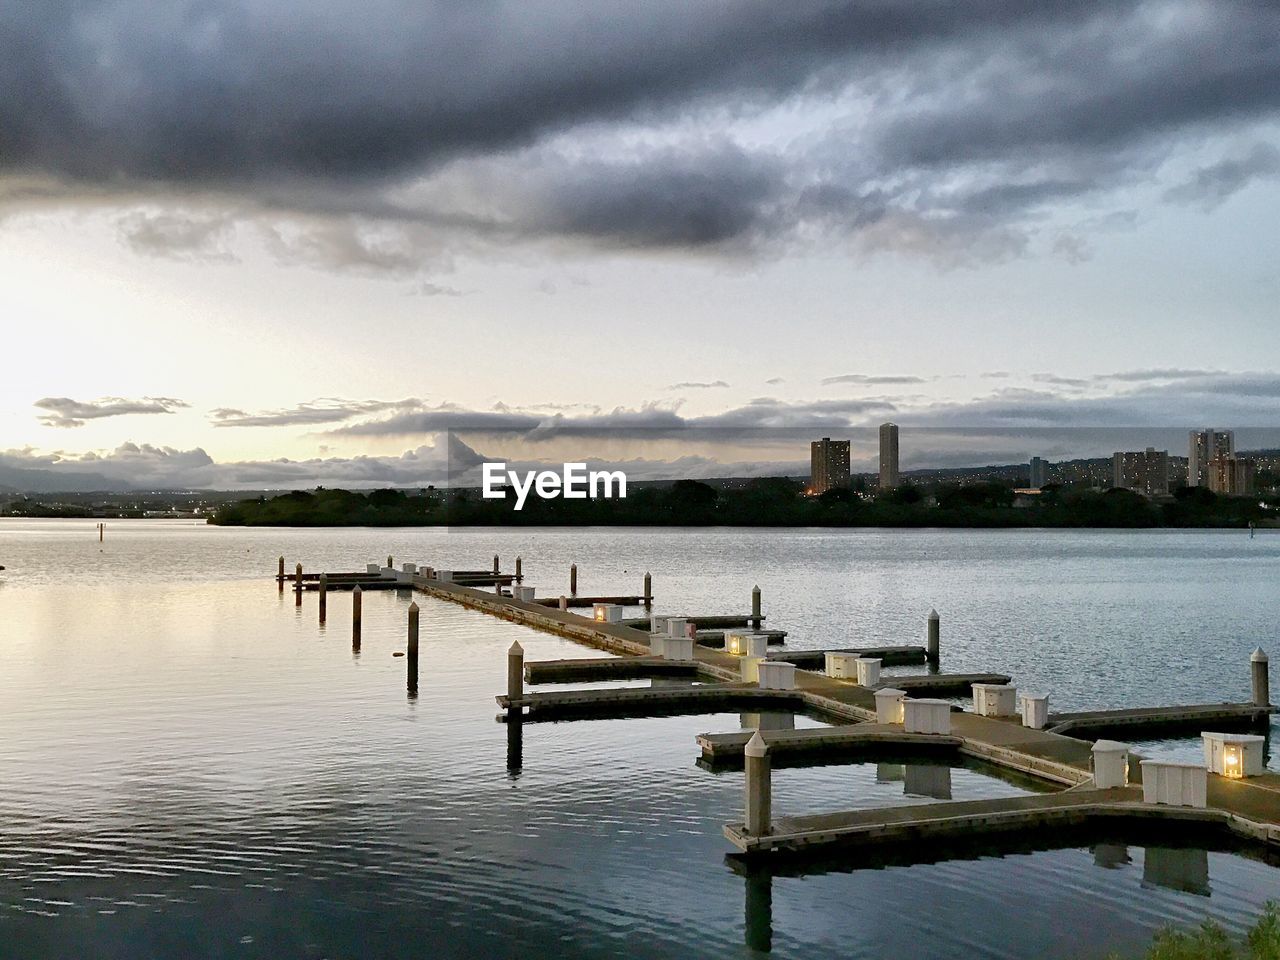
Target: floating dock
(1060,756)
(1140,722)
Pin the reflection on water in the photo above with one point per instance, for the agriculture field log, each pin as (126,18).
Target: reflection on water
(190,766)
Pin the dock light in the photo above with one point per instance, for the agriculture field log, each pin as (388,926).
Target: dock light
(737,644)
(1232,764)
(606,612)
(1234,755)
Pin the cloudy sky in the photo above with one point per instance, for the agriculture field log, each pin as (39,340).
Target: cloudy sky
(251,244)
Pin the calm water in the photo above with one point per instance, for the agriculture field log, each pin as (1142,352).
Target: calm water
(189,767)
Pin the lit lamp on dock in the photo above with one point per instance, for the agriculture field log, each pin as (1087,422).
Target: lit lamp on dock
(606,612)
(746,644)
(1233,755)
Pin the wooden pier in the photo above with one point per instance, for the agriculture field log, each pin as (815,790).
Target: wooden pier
(1060,756)
(888,656)
(1140,722)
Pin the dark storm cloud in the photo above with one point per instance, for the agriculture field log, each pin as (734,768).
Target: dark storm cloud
(65,412)
(1211,185)
(619,124)
(652,421)
(304,414)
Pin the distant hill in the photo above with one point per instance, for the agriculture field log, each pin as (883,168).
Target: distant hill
(23,480)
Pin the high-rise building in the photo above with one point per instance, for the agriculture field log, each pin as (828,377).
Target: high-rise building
(1039,472)
(889,456)
(1207,445)
(1231,475)
(1145,472)
(828,465)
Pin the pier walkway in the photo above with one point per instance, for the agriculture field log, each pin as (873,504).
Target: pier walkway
(711,682)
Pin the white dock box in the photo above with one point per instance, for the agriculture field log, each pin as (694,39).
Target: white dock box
(995,700)
(1035,711)
(1234,755)
(776,675)
(410,568)
(676,627)
(842,666)
(746,643)
(677,648)
(444,576)
(523,594)
(1110,764)
(889,705)
(387,573)
(868,671)
(1174,784)
(403,576)
(606,612)
(926,716)
(372,569)
(751,669)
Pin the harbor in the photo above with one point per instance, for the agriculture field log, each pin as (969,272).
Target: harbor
(1096,782)
(203,746)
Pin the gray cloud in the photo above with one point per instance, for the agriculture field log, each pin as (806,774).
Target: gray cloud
(1210,186)
(310,413)
(1161,373)
(445,125)
(65,412)
(859,378)
(698,385)
(774,381)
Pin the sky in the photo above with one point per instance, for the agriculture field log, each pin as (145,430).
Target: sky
(248,245)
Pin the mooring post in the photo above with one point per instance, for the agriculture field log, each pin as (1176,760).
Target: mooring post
(515,674)
(564,602)
(356,597)
(496,566)
(648,592)
(411,651)
(324,596)
(755,607)
(102,529)
(297,585)
(1261,680)
(573,579)
(519,573)
(391,562)
(934,637)
(759,787)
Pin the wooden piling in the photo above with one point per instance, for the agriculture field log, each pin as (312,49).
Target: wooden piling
(280,575)
(648,592)
(564,602)
(411,649)
(297,586)
(391,561)
(756,609)
(573,579)
(497,568)
(519,572)
(1261,679)
(323,591)
(759,787)
(515,672)
(102,528)
(932,644)
(356,597)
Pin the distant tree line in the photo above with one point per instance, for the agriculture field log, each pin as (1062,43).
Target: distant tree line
(759,503)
